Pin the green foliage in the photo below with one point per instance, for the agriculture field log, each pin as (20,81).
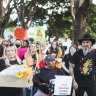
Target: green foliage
(61,25)
(11,29)
(58,21)
(91,22)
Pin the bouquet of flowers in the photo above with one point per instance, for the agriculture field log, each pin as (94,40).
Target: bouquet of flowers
(23,71)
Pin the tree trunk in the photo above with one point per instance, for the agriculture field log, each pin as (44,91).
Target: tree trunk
(1,16)
(79,15)
(79,27)
(22,15)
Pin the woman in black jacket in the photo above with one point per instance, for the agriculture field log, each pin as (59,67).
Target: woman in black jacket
(66,59)
(10,58)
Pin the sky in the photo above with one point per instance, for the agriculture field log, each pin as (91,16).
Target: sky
(94,2)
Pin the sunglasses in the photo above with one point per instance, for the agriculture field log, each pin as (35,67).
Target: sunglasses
(9,45)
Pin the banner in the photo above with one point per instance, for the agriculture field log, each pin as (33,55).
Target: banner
(63,85)
(39,34)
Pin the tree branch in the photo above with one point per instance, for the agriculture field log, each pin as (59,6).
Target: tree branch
(31,13)
(17,10)
(85,7)
(30,22)
(4,9)
(80,2)
(72,11)
(93,29)
(11,24)
(90,24)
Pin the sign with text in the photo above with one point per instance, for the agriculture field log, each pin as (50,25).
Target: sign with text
(63,85)
(39,34)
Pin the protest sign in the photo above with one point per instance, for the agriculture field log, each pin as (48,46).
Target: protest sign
(63,85)
(20,33)
(8,78)
(39,34)
(21,52)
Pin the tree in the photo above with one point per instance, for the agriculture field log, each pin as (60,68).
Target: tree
(55,14)
(8,22)
(26,10)
(60,24)
(91,24)
(79,11)
(2,14)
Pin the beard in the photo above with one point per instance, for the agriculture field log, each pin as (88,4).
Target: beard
(85,51)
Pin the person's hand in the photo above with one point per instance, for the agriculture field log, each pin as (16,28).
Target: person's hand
(43,84)
(53,54)
(75,85)
(58,60)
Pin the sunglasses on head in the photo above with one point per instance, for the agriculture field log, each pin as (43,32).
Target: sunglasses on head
(9,45)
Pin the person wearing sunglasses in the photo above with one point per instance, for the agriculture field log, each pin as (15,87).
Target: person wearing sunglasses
(18,43)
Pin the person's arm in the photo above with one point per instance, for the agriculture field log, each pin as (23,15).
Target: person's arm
(23,58)
(2,65)
(71,70)
(38,79)
(63,66)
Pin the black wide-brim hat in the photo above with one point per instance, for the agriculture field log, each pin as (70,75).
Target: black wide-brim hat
(87,37)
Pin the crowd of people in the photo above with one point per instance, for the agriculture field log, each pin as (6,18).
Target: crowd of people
(60,57)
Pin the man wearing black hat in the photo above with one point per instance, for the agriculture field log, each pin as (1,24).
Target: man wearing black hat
(83,65)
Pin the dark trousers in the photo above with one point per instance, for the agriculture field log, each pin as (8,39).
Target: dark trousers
(91,91)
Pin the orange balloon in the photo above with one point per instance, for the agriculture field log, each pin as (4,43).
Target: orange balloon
(20,33)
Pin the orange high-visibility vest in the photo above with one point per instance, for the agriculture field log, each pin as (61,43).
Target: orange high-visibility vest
(58,64)
(30,60)
(41,55)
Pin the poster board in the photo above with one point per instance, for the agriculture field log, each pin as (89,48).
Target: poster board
(63,87)
(39,33)
(8,78)
(20,33)
(21,52)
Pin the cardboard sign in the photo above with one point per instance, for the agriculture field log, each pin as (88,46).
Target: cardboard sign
(21,52)
(39,34)
(20,33)
(63,85)
(8,78)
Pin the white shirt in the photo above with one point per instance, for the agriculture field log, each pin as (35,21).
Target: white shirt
(66,43)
